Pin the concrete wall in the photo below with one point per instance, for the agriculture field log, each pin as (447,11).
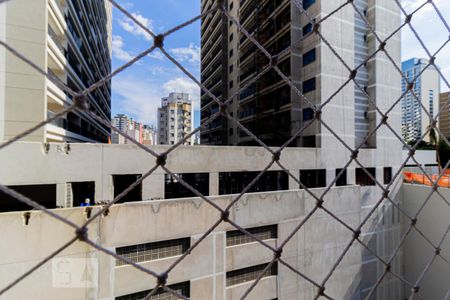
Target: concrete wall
(96,162)
(312,250)
(433,222)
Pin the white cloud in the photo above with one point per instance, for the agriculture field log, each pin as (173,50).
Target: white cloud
(129,25)
(118,51)
(184,85)
(190,54)
(156,54)
(138,98)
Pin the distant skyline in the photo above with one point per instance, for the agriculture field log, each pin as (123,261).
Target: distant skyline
(138,90)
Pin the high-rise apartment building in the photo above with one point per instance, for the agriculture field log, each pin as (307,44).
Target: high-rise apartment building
(269,107)
(174,119)
(444,109)
(425,98)
(143,134)
(69,39)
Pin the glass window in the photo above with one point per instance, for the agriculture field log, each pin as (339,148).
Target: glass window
(308,3)
(309,57)
(309,85)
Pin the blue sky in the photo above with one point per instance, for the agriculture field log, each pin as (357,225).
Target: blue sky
(138,90)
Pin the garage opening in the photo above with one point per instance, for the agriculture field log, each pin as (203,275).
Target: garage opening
(122,182)
(44,194)
(174,189)
(82,191)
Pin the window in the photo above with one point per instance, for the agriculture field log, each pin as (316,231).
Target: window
(231,6)
(230,131)
(309,85)
(387,175)
(174,189)
(309,141)
(342,180)
(44,194)
(180,288)
(236,237)
(313,178)
(231,84)
(362,178)
(235,182)
(231,68)
(231,37)
(153,251)
(431,97)
(122,182)
(249,274)
(307,28)
(308,114)
(309,57)
(82,191)
(308,3)
(231,53)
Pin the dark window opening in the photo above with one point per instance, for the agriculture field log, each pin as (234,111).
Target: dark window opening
(309,141)
(180,288)
(309,57)
(309,85)
(122,182)
(362,178)
(82,191)
(235,182)
(387,175)
(313,178)
(308,3)
(341,180)
(43,194)
(308,114)
(249,274)
(153,251)
(174,189)
(237,237)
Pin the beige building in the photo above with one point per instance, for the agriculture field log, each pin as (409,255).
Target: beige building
(155,233)
(70,39)
(175,119)
(444,108)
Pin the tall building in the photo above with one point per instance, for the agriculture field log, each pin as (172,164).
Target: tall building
(174,119)
(70,40)
(415,121)
(271,109)
(143,134)
(444,108)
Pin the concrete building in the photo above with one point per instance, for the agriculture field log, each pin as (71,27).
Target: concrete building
(270,108)
(226,262)
(444,108)
(144,134)
(70,40)
(174,119)
(415,121)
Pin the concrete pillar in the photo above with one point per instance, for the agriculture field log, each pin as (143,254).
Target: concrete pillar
(61,195)
(213,184)
(293,185)
(330,175)
(153,187)
(351,180)
(107,191)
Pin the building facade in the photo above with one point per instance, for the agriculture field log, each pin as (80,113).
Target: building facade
(269,107)
(444,109)
(71,40)
(157,221)
(174,119)
(425,99)
(143,134)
